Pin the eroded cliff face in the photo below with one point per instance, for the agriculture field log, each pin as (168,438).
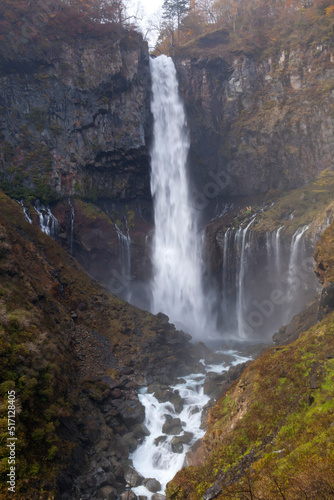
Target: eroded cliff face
(258,123)
(79,121)
(75,132)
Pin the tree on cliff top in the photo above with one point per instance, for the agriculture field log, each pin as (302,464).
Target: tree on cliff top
(173,12)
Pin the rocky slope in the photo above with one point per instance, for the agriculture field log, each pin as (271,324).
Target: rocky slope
(75,356)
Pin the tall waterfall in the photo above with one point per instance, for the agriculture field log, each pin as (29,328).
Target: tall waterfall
(177,283)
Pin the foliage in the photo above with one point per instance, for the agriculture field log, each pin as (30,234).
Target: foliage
(259,25)
(270,435)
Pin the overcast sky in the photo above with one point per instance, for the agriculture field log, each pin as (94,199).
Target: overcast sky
(144,9)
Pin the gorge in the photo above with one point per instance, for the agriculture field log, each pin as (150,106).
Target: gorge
(199,188)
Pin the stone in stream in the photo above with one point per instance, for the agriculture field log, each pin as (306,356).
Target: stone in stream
(132,477)
(177,401)
(179,441)
(172,425)
(160,439)
(152,485)
(158,496)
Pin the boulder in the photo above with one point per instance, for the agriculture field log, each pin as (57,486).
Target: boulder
(176,401)
(158,496)
(107,493)
(128,495)
(152,485)
(172,426)
(132,477)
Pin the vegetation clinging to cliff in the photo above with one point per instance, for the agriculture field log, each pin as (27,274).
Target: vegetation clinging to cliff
(253,26)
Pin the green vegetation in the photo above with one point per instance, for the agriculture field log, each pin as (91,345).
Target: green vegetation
(271,434)
(40,287)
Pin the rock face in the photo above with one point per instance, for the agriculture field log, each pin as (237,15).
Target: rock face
(80,122)
(255,124)
(76,122)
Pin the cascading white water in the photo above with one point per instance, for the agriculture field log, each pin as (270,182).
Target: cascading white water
(296,254)
(241,239)
(25,211)
(263,287)
(177,262)
(47,221)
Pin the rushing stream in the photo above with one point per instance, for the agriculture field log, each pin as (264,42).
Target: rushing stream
(162,455)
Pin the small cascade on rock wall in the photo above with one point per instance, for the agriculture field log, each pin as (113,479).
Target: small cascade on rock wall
(25,211)
(264,283)
(177,262)
(47,221)
(124,251)
(297,253)
(243,244)
(72,225)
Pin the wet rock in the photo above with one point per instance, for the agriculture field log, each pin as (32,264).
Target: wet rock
(164,319)
(128,495)
(132,477)
(131,441)
(107,479)
(155,387)
(176,401)
(107,493)
(205,413)
(158,496)
(159,440)
(142,497)
(172,426)
(177,447)
(179,441)
(195,455)
(152,485)
(132,411)
(163,396)
(140,431)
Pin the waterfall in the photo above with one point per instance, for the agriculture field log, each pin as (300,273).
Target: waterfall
(124,251)
(265,282)
(241,239)
(47,221)
(177,261)
(296,255)
(25,211)
(72,224)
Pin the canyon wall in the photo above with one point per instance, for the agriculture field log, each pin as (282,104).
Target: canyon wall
(257,122)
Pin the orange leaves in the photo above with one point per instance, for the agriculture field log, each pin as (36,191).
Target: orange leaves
(330,10)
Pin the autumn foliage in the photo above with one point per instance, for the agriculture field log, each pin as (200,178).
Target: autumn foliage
(24,23)
(257,24)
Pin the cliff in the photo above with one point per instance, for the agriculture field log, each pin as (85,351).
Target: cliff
(259,119)
(76,125)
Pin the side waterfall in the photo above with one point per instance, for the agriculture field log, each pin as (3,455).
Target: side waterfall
(177,261)
(264,283)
